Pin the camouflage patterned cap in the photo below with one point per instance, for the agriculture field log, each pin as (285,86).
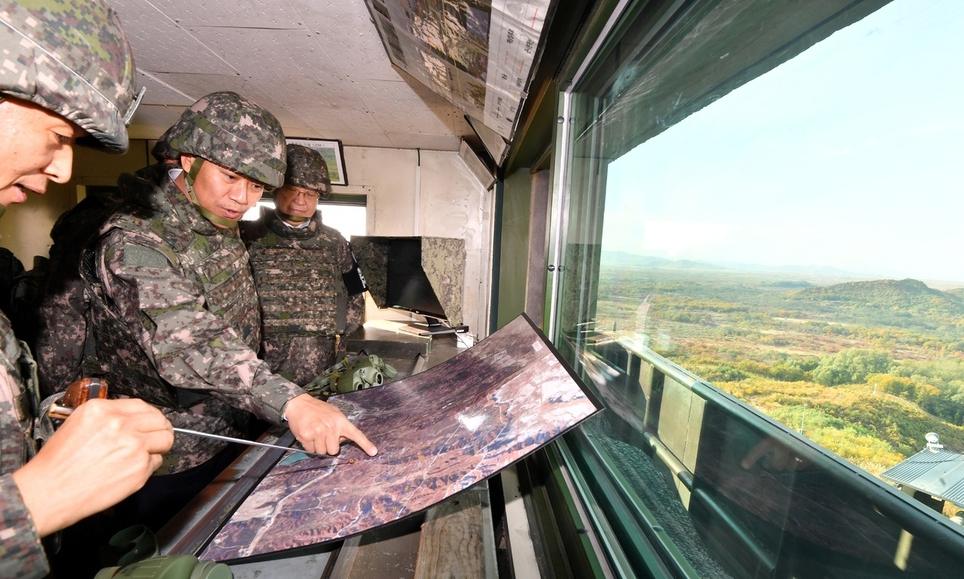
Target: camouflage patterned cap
(227,129)
(307,168)
(72,58)
(162,149)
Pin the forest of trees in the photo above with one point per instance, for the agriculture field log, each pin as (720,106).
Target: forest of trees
(863,368)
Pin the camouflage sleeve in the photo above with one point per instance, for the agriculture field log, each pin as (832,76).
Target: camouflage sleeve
(344,255)
(356,304)
(356,313)
(61,332)
(21,553)
(191,347)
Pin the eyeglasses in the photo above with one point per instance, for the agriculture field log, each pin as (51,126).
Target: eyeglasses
(308,194)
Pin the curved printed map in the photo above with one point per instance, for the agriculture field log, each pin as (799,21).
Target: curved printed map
(438,433)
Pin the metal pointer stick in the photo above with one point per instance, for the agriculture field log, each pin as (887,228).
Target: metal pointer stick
(243,441)
(85,388)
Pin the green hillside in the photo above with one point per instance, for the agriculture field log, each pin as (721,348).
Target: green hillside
(885,292)
(901,303)
(863,424)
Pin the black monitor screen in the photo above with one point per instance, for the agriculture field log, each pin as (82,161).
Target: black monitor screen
(407,286)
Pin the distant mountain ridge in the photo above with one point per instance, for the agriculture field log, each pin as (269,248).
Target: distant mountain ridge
(625,259)
(822,272)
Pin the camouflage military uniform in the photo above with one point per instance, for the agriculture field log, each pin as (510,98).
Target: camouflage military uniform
(176,322)
(70,58)
(21,554)
(304,301)
(62,327)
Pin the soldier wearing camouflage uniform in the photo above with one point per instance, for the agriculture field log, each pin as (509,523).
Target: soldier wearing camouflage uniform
(303,270)
(62,332)
(62,325)
(174,309)
(66,72)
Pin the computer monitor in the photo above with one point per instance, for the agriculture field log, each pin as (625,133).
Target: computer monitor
(423,275)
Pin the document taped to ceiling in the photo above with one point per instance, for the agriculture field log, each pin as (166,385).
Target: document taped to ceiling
(477,54)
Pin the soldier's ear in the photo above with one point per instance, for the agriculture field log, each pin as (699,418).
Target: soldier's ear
(186,162)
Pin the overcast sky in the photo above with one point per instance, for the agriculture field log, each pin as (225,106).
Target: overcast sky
(849,156)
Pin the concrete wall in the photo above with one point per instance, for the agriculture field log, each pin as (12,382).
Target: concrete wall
(410,193)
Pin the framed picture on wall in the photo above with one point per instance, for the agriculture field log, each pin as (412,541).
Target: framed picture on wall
(333,153)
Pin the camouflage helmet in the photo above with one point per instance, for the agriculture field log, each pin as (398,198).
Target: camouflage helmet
(227,129)
(162,149)
(307,168)
(72,58)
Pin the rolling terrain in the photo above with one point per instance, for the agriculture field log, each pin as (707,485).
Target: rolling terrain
(862,367)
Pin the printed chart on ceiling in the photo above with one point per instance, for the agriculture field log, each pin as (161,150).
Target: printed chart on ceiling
(477,54)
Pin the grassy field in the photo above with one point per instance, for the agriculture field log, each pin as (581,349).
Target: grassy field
(863,368)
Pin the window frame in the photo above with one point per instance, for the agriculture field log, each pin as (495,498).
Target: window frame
(593,482)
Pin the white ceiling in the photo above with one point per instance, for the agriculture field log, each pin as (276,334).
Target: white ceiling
(318,65)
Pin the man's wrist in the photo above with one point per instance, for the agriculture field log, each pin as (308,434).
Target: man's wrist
(27,488)
(284,407)
(274,395)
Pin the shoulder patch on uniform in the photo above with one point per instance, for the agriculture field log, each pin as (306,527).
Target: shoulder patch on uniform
(138,255)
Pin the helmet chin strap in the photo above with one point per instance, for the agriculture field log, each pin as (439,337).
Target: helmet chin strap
(216,220)
(293,219)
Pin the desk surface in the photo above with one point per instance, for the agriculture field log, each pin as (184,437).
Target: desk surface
(384,342)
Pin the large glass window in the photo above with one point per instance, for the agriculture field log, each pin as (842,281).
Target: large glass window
(762,280)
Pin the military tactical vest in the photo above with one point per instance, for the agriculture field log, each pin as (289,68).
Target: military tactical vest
(216,264)
(304,302)
(215,259)
(298,273)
